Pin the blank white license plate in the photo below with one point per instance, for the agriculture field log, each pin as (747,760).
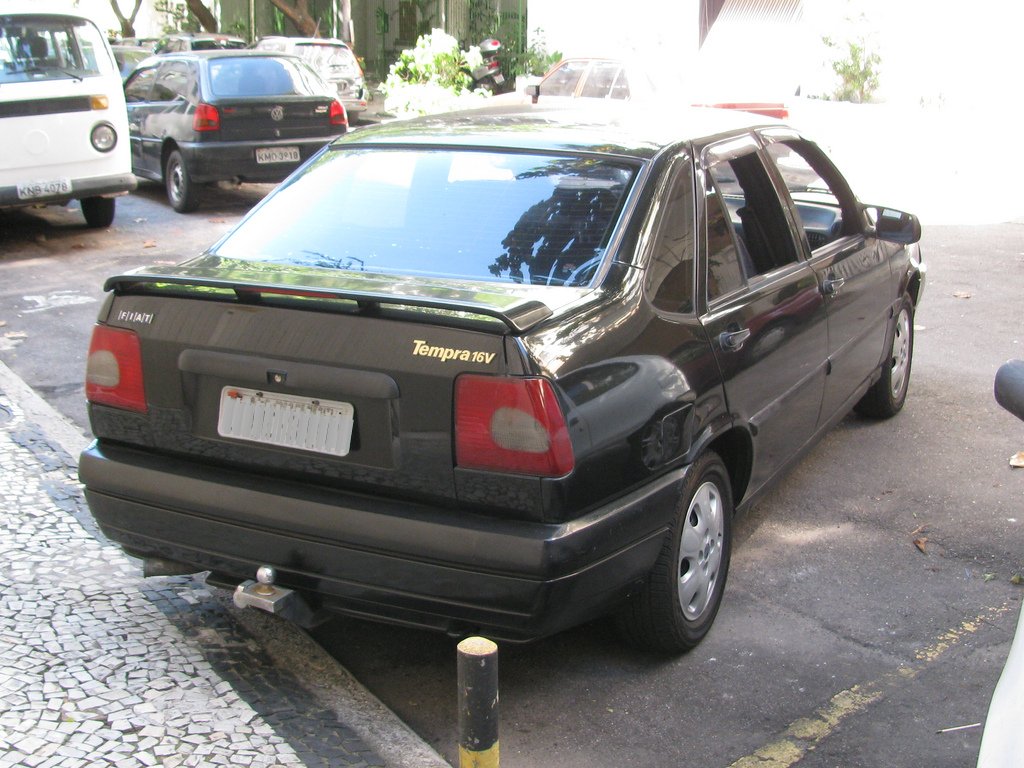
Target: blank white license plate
(36,189)
(323,426)
(277,155)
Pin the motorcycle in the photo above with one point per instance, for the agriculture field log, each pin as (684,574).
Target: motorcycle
(1002,742)
(488,75)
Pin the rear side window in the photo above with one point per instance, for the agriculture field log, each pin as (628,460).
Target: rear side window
(563,81)
(509,217)
(670,276)
(755,212)
(173,82)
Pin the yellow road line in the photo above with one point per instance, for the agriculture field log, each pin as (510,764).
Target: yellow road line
(805,734)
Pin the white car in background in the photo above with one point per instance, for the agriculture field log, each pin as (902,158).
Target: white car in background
(333,60)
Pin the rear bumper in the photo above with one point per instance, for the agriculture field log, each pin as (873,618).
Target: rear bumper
(225,160)
(102,186)
(377,558)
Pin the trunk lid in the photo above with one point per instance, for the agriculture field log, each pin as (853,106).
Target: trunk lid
(332,351)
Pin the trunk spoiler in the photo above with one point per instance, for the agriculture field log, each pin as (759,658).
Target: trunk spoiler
(516,312)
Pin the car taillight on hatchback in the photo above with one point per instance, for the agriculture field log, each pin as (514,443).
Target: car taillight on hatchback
(113,373)
(206,118)
(510,424)
(337,114)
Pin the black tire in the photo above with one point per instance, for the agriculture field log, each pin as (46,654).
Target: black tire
(887,395)
(98,211)
(679,600)
(182,192)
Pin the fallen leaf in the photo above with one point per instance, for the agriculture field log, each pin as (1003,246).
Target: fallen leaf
(990,577)
(1017,579)
(961,294)
(1017,460)
(919,529)
(149,244)
(920,542)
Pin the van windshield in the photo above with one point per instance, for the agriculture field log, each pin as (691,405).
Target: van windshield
(47,47)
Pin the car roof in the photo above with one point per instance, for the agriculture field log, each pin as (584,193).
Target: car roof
(565,125)
(225,53)
(304,40)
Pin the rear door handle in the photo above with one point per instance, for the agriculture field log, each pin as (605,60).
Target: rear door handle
(731,341)
(830,286)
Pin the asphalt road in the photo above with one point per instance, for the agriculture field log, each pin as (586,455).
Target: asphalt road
(841,641)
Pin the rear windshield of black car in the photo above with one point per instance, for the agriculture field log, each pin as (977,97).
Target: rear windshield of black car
(478,215)
(262,76)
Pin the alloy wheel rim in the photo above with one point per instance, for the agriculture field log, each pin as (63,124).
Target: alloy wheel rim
(700,551)
(900,359)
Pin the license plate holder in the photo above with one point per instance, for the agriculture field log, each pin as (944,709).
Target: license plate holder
(267,155)
(286,421)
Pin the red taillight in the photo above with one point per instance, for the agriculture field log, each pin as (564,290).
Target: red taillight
(206,118)
(113,374)
(337,114)
(510,424)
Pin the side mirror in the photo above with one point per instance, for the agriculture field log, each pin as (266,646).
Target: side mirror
(894,226)
(1009,387)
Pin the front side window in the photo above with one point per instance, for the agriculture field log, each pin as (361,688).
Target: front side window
(823,203)
(36,48)
(508,217)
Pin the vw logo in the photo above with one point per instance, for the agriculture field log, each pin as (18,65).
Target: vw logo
(277,113)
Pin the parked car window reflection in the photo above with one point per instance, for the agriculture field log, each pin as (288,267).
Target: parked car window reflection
(671,273)
(728,260)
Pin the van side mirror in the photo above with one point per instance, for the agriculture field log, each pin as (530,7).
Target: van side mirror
(894,226)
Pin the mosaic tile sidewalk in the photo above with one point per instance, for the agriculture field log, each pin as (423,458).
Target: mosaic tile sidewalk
(99,667)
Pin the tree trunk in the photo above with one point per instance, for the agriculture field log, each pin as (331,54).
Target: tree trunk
(299,15)
(127,24)
(206,19)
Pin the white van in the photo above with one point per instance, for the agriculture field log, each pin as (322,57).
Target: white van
(63,123)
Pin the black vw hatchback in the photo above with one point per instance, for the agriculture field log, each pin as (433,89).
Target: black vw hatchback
(226,115)
(500,372)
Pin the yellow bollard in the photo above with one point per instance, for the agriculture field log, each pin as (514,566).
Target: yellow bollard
(478,703)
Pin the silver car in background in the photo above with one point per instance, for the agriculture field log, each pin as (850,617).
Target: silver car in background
(333,60)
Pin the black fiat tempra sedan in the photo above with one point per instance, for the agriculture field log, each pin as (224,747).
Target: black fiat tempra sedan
(499,372)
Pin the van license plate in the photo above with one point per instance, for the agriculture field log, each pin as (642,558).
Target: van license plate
(37,189)
(277,155)
(323,426)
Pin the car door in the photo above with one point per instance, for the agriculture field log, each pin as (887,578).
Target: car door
(765,314)
(851,268)
(170,112)
(137,95)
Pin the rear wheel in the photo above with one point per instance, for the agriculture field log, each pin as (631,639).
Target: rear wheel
(680,598)
(887,395)
(182,192)
(98,211)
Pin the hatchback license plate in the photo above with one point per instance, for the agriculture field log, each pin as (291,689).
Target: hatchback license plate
(277,155)
(323,426)
(37,189)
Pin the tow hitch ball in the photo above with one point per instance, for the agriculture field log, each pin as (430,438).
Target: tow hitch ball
(268,596)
